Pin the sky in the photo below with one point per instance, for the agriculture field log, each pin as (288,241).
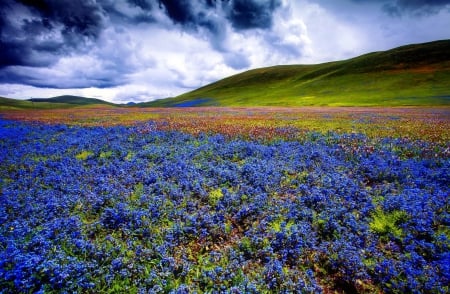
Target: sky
(141,50)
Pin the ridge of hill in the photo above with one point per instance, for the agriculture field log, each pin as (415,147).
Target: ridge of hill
(66,101)
(416,75)
(70,99)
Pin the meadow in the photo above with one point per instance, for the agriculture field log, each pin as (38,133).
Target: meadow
(225,200)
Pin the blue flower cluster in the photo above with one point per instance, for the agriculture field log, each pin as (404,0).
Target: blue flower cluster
(94,209)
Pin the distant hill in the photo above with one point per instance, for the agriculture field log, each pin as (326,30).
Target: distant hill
(416,74)
(66,101)
(69,99)
(8,103)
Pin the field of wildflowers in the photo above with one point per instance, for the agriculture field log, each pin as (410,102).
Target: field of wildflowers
(229,201)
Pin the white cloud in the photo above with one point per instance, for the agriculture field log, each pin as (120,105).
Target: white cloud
(326,37)
(20,91)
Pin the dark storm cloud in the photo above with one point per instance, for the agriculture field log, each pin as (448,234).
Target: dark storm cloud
(79,17)
(32,32)
(38,33)
(209,18)
(118,17)
(248,14)
(181,11)
(242,14)
(144,4)
(416,7)
(414,4)
(68,78)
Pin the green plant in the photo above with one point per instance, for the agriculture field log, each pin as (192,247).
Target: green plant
(214,196)
(388,223)
(138,191)
(84,155)
(278,224)
(106,154)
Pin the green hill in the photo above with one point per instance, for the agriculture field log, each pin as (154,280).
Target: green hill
(66,101)
(69,99)
(8,103)
(409,75)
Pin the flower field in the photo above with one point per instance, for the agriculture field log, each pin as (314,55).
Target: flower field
(225,201)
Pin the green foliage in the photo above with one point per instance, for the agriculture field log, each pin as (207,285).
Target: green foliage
(388,223)
(84,155)
(106,154)
(246,245)
(278,224)
(228,227)
(138,191)
(129,156)
(214,196)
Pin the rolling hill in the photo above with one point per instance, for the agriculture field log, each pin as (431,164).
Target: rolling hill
(8,103)
(416,74)
(65,101)
(69,99)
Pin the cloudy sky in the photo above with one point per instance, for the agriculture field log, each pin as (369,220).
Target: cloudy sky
(141,50)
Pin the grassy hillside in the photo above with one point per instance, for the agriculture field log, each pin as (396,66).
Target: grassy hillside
(409,75)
